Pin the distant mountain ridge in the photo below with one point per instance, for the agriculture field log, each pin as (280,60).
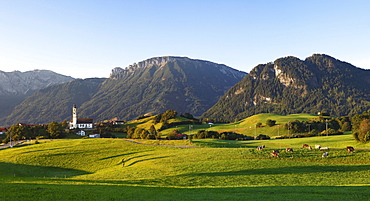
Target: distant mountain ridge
(151,86)
(119,73)
(290,85)
(16,86)
(18,83)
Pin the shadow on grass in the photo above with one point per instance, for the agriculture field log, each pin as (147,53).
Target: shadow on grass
(119,155)
(128,163)
(20,170)
(287,170)
(43,150)
(224,144)
(24,191)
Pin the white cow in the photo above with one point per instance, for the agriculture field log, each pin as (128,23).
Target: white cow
(324,155)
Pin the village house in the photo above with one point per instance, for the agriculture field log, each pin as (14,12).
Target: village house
(3,130)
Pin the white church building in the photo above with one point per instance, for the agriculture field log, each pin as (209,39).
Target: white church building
(80,123)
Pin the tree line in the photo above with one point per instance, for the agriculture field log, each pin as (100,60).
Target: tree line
(27,132)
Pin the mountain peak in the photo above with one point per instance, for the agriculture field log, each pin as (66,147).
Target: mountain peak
(29,81)
(119,73)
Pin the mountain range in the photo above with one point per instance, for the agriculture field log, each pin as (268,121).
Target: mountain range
(148,87)
(202,88)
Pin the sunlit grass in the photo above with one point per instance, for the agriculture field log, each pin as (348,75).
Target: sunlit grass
(228,166)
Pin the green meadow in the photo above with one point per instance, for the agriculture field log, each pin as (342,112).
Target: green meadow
(244,126)
(92,169)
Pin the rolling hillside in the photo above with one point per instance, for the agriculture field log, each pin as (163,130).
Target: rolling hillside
(93,169)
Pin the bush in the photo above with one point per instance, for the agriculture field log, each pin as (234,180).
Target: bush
(270,122)
(173,135)
(262,137)
(363,133)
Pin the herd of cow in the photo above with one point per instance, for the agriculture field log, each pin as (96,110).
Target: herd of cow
(276,152)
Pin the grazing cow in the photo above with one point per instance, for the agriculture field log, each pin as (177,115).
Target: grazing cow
(307,146)
(259,148)
(317,146)
(324,148)
(288,150)
(350,149)
(273,154)
(324,155)
(276,151)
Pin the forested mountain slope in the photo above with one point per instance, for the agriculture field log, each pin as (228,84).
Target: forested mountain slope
(290,85)
(16,86)
(53,103)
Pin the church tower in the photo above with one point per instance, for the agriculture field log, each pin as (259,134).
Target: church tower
(74,116)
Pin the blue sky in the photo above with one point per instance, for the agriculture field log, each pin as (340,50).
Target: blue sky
(89,38)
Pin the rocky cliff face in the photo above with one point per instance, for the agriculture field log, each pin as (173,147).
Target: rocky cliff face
(120,73)
(21,83)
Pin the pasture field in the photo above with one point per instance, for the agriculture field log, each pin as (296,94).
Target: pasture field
(92,169)
(245,126)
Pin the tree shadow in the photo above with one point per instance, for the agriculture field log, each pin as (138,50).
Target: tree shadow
(287,170)
(116,192)
(119,155)
(142,160)
(21,170)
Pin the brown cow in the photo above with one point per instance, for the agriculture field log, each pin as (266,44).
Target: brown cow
(350,149)
(307,146)
(288,150)
(276,151)
(273,154)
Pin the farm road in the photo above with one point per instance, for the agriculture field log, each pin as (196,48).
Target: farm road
(161,145)
(13,143)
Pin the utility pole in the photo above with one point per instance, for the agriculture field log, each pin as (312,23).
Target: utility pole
(255,131)
(309,128)
(11,140)
(326,128)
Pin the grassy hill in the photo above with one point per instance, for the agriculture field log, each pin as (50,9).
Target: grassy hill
(91,169)
(245,126)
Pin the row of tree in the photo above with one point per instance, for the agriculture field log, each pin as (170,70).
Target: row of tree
(22,132)
(202,134)
(359,124)
(140,133)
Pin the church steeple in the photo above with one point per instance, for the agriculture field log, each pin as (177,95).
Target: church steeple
(74,116)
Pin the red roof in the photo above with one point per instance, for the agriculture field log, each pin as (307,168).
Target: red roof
(86,121)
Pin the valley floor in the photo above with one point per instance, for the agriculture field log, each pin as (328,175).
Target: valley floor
(115,169)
